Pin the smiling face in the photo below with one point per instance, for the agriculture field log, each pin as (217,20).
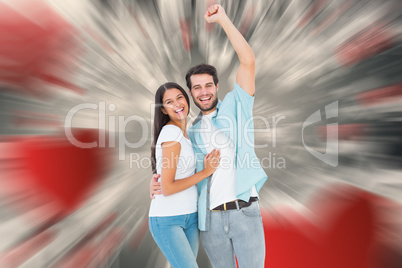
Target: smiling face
(204,92)
(175,105)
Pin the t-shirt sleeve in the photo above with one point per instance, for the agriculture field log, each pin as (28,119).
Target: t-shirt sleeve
(170,133)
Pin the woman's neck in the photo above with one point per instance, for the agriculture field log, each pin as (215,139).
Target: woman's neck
(182,124)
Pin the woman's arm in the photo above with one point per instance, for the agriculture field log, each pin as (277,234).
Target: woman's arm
(170,157)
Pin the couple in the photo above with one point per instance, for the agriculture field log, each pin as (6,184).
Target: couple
(221,198)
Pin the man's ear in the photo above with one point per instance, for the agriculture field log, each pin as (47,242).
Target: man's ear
(163,110)
(217,87)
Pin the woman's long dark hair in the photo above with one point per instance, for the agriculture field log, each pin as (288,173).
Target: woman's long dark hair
(161,119)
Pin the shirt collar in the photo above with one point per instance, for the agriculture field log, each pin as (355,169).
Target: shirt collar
(198,119)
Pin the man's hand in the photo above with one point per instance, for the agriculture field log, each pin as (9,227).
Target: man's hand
(214,13)
(245,76)
(155,186)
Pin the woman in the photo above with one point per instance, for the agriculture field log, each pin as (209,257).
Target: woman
(173,219)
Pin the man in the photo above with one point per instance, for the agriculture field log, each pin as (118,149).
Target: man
(228,210)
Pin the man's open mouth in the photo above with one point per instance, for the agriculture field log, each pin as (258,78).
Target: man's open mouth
(206,99)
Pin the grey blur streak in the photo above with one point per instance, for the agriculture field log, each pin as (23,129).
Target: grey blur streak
(296,74)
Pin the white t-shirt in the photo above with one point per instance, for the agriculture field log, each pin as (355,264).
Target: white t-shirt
(184,202)
(223,183)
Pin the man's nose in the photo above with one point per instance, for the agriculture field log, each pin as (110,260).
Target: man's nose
(204,90)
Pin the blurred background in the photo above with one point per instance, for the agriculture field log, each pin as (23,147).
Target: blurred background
(77,84)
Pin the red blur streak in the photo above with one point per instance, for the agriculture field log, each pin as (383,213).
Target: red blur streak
(20,253)
(380,95)
(246,21)
(61,82)
(139,235)
(186,35)
(109,246)
(94,254)
(30,118)
(98,39)
(63,172)
(102,226)
(137,21)
(344,231)
(81,258)
(27,49)
(86,250)
(331,18)
(315,8)
(34,205)
(345,131)
(367,43)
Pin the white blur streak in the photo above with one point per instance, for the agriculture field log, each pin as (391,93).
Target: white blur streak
(171,13)
(214,46)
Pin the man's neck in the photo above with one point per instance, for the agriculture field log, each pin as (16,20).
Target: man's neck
(209,111)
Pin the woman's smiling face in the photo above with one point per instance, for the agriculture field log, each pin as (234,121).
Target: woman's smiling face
(175,105)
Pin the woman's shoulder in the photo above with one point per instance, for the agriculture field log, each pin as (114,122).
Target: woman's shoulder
(170,133)
(171,129)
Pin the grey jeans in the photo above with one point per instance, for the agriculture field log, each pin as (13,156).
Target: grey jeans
(235,232)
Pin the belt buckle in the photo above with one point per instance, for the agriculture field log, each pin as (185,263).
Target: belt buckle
(224,208)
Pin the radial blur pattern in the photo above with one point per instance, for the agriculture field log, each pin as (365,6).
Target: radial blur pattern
(328,111)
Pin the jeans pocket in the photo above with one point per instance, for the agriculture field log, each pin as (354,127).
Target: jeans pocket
(252,211)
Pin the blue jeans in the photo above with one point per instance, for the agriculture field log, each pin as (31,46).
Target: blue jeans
(178,238)
(235,232)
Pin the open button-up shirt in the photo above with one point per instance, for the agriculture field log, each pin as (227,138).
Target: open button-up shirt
(234,117)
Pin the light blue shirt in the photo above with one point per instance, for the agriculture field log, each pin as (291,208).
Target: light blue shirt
(234,117)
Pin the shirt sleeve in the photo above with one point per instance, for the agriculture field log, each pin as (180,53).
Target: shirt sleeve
(245,100)
(169,133)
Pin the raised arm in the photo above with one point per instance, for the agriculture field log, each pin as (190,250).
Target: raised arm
(245,76)
(170,156)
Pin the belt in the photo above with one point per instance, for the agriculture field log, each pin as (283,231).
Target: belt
(232,205)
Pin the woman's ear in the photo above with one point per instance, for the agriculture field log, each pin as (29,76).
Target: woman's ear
(163,110)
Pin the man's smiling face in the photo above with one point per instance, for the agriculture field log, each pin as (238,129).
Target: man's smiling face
(204,92)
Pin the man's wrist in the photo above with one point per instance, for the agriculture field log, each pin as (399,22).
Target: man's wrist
(223,20)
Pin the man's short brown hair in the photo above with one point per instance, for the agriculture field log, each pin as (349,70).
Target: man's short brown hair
(202,69)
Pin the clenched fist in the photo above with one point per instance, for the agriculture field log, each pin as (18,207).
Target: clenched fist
(214,13)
